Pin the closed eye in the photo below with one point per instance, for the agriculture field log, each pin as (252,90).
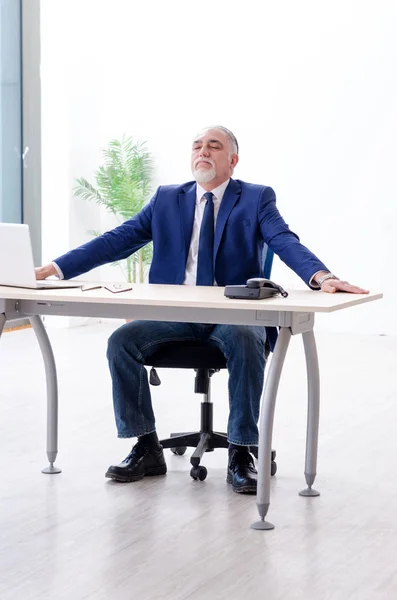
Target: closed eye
(213,144)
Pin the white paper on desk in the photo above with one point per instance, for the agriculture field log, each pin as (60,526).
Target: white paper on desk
(115,288)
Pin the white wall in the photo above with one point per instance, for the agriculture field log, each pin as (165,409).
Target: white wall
(308,87)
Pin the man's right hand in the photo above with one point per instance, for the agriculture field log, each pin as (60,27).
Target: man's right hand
(46,271)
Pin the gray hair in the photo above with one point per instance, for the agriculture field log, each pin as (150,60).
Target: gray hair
(230,135)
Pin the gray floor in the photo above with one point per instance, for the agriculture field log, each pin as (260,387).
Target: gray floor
(77,535)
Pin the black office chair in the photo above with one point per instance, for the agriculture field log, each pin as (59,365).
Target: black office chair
(205,360)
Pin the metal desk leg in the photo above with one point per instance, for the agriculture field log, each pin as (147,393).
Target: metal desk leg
(2,322)
(266,428)
(52,393)
(313,412)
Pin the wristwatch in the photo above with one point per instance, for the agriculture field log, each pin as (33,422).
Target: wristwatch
(323,278)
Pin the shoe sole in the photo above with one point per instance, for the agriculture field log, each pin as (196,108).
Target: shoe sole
(245,489)
(130,478)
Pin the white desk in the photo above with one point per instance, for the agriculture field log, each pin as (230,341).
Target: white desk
(294,315)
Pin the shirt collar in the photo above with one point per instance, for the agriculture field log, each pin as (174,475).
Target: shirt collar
(218,191)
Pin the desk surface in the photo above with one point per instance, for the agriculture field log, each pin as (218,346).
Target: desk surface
(191,297)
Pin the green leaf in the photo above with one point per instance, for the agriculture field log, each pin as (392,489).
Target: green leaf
(122,187)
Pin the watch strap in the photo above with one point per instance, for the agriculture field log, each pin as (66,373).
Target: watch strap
(323,278)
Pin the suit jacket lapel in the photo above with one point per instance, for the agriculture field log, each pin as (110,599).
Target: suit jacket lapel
(187,206)
(231,195)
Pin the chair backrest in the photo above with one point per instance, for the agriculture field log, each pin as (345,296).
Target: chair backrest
(267,261)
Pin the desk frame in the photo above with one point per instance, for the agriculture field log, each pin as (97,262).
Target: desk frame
(290,323)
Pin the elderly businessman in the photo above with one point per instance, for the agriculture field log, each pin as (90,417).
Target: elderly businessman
(205,232)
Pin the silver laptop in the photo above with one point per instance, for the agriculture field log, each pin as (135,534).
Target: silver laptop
(16,260)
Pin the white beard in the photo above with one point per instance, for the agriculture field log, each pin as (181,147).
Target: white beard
(204,175)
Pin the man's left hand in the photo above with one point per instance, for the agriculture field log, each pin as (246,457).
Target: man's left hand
(336,285)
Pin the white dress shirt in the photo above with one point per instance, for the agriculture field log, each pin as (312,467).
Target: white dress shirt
(192,259)
(58,270)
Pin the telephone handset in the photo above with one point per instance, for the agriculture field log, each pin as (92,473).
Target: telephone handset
(256,288)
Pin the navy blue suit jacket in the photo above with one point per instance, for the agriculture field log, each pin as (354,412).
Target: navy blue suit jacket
(247,218)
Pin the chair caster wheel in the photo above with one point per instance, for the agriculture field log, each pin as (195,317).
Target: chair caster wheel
(179,451)
(273,468)
(199,473)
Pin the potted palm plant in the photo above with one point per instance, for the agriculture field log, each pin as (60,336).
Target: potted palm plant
(123,187)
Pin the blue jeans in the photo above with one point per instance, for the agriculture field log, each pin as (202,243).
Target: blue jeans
(242,345)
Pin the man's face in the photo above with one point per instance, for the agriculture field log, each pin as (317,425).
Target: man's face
(212,159)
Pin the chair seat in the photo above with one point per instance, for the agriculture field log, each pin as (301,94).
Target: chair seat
(187,355)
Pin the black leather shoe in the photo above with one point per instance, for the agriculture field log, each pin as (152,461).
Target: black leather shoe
(142,461)
(241,472)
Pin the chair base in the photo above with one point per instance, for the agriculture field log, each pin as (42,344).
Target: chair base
(201,441)
(204,442)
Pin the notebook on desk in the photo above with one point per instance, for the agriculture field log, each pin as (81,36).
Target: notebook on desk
(16,260)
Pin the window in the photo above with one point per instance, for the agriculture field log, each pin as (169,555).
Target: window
(10,112)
